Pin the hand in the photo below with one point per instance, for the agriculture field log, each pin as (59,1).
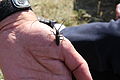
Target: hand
(118,11)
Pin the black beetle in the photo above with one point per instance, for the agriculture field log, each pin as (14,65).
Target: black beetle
(52,23)
(58,35)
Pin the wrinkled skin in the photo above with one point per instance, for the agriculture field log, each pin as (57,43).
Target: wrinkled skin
(28,52)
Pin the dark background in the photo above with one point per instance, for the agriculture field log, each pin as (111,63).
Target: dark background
(99,10)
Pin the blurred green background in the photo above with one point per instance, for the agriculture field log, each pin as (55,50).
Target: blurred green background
(75,12)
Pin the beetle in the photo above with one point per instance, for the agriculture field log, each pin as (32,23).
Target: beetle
(52,23)
(57,37)
(58,34)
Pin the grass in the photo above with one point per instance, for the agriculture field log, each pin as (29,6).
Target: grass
(56,9)
(1,76)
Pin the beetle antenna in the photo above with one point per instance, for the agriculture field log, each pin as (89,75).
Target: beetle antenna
(61,24)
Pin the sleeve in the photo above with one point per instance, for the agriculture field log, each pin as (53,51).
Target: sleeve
(92,31)
(97,42)
(114,28)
